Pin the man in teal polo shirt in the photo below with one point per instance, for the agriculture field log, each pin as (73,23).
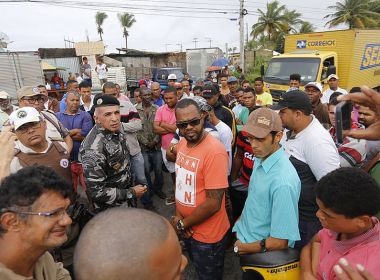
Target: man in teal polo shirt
(269,220)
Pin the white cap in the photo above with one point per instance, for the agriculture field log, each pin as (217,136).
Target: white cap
(24,115)
(314,85)
(4,95)
(332,76)
(172,77)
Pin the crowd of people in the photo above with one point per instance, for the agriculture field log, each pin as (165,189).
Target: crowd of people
(245,174)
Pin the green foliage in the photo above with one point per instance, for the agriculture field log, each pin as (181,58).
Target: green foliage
(99,19)
(254,71)
(126,21)
(354,13)
(272,26)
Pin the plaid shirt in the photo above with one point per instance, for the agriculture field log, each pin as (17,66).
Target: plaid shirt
(351,151)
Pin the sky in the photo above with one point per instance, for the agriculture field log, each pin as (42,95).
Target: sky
(161,25)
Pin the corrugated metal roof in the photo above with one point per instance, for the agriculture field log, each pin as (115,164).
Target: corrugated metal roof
(56,52)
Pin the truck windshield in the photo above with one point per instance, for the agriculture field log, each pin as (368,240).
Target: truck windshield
(279,70)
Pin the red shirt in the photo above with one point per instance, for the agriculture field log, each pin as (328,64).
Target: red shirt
(248,159)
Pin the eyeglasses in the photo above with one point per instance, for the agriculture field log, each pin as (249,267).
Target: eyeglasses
(193,122)
(25,127)
(178,88)
(55,214)
(33,100)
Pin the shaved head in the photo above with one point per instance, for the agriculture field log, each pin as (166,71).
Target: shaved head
(127,243)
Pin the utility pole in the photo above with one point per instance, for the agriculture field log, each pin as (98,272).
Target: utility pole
(227,50)
(180,45)
(195,40)
(209,40)
(243,12)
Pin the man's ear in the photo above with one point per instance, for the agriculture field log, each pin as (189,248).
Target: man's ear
(363,221)
(10,221)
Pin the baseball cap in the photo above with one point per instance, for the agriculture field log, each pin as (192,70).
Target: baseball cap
(104,100)
(202,103)
(261,122)
(232,79)
(24,115)
(172,77)
(27,91)
(332,76)
(209,91)
(314,85)
(4,95)
(295,99)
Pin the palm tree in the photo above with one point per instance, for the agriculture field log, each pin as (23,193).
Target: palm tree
(356,14)
(271,22)
(306,27)
(99,19)
(291,20)
(126,21)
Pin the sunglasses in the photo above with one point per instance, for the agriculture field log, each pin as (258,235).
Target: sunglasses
(193,122)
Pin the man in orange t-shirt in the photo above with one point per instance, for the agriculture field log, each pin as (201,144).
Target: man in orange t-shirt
(201,181)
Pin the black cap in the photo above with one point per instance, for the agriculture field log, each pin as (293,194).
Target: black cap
(209,91)
(103,100)
(295,99)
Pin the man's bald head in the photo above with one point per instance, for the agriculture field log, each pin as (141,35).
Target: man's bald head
(122,243)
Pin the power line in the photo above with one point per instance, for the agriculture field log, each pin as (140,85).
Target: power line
(137,13)
(138,7)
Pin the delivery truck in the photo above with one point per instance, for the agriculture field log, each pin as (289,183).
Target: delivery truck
(354,55)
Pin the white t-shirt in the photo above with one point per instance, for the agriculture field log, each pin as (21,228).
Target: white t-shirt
(101,69)
(328,92)
(315,147)
(226,137)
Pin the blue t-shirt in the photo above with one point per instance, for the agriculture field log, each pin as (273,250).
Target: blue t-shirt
(80,120)
(271,209)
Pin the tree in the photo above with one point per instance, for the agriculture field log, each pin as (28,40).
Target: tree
(356,14)
(271,22)
(291,20)
(306,27)
(99,19)
(126,21)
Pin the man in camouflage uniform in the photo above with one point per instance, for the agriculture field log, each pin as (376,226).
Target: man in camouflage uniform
(106,160)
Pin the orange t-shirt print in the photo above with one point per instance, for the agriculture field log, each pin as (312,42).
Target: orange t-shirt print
(186,177)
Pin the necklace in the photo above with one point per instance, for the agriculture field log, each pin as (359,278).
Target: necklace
(204,134)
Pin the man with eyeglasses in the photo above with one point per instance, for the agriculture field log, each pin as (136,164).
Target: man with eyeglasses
(201,182)
(34,218)
(31,97)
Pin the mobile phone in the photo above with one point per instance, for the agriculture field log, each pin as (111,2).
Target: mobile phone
(342,119)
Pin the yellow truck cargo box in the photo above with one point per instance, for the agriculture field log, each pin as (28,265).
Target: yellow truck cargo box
(355,53)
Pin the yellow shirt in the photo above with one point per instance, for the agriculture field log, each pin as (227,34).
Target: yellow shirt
(264,99)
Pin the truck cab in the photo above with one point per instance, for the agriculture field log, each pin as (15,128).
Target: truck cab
(312,65)
(160,75)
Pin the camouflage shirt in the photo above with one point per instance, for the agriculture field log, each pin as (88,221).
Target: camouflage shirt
(107,168)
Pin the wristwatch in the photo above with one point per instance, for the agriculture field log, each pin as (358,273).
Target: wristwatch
(130,193)
(180,225)
(236,249)
(263,247)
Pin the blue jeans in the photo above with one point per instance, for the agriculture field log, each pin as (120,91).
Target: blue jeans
(208,258)
(137,162)
(153,161)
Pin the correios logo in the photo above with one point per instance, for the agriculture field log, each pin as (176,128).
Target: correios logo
(303,44)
